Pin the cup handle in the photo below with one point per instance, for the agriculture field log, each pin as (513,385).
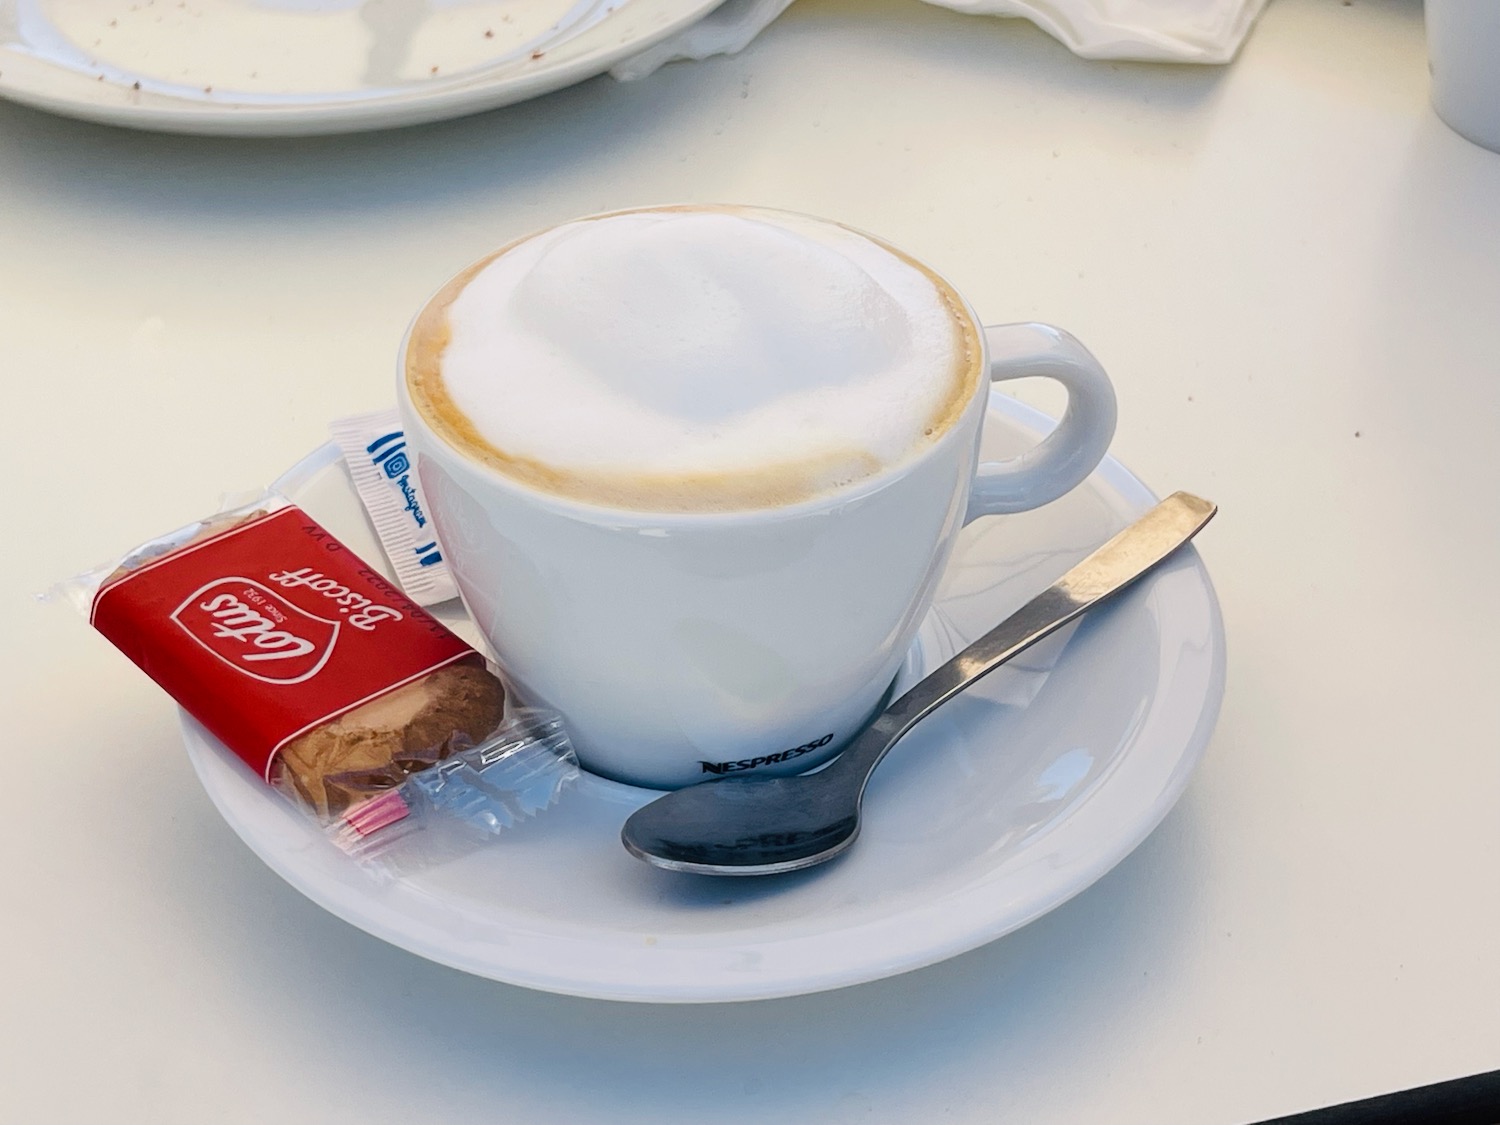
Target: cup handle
(1070,452)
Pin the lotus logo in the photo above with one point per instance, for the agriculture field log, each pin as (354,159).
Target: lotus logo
(256,631)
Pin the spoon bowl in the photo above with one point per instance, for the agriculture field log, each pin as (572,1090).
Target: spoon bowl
(746,826)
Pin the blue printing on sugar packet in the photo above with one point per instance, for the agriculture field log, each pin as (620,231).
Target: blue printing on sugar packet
(388,454)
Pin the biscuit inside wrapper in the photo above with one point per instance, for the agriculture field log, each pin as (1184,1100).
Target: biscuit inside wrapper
(379,745)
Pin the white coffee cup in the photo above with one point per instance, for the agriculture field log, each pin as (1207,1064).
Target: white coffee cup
(684,645)
(1463,50)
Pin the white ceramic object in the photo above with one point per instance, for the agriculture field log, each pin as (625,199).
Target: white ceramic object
(286,67)
(683,645)
(1463,51)
(1004,804)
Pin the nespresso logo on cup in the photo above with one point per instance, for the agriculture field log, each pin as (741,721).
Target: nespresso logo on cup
(767,759)
(255,631)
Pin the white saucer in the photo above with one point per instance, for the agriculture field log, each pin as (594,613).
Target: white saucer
(284,67)
(1004,804)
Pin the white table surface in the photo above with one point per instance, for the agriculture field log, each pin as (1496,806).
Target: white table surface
(1292,270)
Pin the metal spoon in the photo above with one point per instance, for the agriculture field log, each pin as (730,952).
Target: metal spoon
(758,826)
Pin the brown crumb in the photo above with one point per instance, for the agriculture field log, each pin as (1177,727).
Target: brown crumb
(537,54)
(114,23)
(1190,398)
(1356,433)
(489,34)
(135,85)
(433,70)
(208,89)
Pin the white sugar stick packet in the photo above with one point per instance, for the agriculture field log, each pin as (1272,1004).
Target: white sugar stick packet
(374,448)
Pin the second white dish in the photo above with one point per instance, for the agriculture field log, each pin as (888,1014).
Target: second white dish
(285,67)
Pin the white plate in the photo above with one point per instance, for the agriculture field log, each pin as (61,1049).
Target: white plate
(999,807)
(283,67)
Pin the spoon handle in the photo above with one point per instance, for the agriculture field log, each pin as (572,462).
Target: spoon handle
(1110,569)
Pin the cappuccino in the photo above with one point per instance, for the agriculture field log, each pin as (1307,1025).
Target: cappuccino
(693,359)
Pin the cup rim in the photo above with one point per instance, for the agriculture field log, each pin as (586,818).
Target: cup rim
(600,513)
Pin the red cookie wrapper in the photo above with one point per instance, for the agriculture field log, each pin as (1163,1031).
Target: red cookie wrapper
(330,683)
(269,629)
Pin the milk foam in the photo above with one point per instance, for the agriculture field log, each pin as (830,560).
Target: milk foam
(675,349)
